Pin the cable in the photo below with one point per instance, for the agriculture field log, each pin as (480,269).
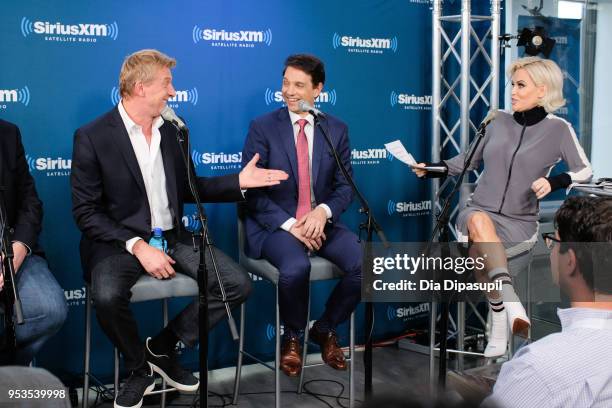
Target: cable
(226,399)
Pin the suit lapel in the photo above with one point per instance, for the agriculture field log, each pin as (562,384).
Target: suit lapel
(168,147)
(122,140)
(285,132)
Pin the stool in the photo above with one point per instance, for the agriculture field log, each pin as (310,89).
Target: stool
(321,269)
(146,288)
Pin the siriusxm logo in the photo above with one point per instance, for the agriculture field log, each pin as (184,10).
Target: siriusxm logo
(217,161)
(410,101)
(191,223)
(560,40)
(21,95)
(324,97)
(76,297)
(408,312)
(80,32)
(188,96)
(224,38)
(364,45)
(408,209)
(271,331)
(369,156)
(53,167)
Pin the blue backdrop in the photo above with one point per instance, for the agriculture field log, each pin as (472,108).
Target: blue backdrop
(60,67)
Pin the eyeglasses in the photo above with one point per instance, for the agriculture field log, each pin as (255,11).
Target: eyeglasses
(549,239)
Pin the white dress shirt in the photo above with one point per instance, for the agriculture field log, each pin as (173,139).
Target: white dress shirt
(309,130)
(572,368)
(152,169)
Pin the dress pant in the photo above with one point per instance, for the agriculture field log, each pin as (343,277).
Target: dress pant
(113,278)
(291,257)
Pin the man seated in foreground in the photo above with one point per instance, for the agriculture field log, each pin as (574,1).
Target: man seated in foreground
(572,368)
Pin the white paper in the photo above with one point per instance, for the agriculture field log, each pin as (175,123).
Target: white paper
(397,149)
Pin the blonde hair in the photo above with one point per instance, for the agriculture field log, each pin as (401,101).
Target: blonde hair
(141,66)
(543,72)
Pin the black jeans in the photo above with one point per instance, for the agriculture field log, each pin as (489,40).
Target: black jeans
(113,278)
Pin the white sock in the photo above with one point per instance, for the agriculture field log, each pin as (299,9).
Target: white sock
(508,293)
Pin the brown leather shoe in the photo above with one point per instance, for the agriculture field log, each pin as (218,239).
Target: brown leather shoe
(331,353)
(291,357)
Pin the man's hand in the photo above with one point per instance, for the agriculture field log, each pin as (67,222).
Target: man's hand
(252,176)
(541,187)
(155,262)
(313,223)
(311,244)
(20,251)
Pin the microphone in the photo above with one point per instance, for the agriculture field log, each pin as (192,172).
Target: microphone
(306,107)
(488,119)
(168,114)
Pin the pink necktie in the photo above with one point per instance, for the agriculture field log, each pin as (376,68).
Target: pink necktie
(304,204)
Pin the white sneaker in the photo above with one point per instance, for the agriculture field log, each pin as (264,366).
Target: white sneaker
(498,335)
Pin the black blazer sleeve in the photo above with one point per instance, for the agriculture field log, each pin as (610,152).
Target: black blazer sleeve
(88,206)
(220,189)
(24,208)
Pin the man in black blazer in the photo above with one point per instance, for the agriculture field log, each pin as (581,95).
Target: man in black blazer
(42,299)
(128,177)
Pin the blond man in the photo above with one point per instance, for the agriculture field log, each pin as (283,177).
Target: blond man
(128,178)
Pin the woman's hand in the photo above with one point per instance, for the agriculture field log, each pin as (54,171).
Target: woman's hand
(541,187)
(419,172)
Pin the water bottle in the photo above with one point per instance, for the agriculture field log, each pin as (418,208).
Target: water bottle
(158,241)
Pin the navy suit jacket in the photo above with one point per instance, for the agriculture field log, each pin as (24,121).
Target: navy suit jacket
(109,201)
(271,136)
(23,207)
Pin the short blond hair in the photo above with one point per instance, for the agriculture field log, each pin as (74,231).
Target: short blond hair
(543,72)
(141,66)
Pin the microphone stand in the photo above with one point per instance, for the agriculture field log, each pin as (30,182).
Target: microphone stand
(369,225)
(441,227)
(10,294)
(203,241)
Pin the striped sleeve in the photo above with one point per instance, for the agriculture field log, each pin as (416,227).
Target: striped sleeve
(573,154)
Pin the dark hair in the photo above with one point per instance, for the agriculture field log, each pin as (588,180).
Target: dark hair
(309,64)
(588,220)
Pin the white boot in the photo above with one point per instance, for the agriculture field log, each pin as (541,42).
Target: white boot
(498,335)
(517,318)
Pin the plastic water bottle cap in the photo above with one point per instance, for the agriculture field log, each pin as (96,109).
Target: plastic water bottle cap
(157,232)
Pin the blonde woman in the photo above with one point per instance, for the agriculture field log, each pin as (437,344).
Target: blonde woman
(519,151)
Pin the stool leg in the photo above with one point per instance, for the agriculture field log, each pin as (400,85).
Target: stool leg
(352,360)
(85,396)
(277,388)
(116,352)
(240,351)
(305,348)
(165,317)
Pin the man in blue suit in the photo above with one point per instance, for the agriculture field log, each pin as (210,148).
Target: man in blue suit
(289,222)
